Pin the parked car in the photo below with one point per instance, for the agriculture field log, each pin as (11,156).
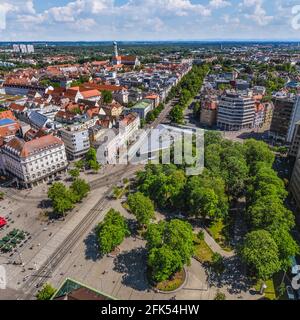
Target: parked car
(3,222)
(290,293)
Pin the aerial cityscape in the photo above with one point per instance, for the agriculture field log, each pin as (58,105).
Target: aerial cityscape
(149,166)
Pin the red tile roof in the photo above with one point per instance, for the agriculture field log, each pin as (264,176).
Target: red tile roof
(9,130)
(90,93)
(16,107)
(104,87)
(25,149)
(7,115)
(128,119)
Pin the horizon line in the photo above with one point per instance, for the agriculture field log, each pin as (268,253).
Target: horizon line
(153,41)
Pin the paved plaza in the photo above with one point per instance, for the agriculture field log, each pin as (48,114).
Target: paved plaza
(122,276)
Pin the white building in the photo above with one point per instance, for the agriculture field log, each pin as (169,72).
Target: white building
(295,118)
(33,161)
(235,112)
(23,48)
(113,141)
(76,140)
(128,127)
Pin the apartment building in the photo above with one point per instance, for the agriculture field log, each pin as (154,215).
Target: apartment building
(295,181)
(268,113)
(33,161)
(282,123)
(208,114)
(76,140)
(295,146)
(235,112)
(142,108)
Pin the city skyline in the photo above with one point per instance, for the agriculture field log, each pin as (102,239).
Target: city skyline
(149,20)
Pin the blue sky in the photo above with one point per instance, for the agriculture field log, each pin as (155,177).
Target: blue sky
(97,20)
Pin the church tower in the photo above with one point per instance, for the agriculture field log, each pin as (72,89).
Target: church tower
(116,49)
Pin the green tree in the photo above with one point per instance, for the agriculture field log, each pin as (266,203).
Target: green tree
(210,181)
(163,184)
(220,296)
(163,263)
(91,154)
(74,173)
(261,254)
(177,234)
(111,232)
(142,207)
(61,205)
(62,199)
(107,97)
(197,110)
(91,159)
(80,188)
(203,202)
(117,192)
(213,158)
(79,165)
(94,165)
(236,176)
(265,182)
(46,293)
(150,117)
(176,114)
(287,246)
(269,212)
(212,137)
(258,151)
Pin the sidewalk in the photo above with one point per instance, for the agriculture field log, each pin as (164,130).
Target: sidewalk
(214,245)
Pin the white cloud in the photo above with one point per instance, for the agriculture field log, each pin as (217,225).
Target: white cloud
(259,15)
(219,4)
(83,24)
(231,20)
(146,19)
(20,6)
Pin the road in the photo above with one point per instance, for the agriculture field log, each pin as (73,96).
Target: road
(36,280)
(95,215)
(163,115)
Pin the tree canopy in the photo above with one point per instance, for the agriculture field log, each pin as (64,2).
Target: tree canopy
(46,293)
(142,207)
(260,252)
(112,231)
(172,240)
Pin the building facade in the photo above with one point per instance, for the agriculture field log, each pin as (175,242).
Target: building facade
(142,108)
(295,181)
(208,114)
(76,141)
(33,161)
(294,149)
(281,121)
(235,112)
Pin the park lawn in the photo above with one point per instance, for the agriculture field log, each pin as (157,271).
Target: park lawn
(217,231)
(203,252)
(174,283)
(270,293)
